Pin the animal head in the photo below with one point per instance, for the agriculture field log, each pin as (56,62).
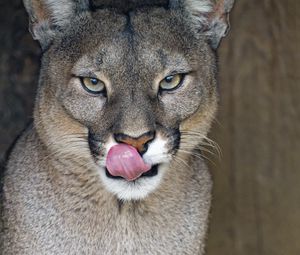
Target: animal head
(127,88)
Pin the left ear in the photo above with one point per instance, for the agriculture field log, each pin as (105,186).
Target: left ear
(47,17)
(207,17)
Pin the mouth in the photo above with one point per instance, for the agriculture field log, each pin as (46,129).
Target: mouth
(152,172)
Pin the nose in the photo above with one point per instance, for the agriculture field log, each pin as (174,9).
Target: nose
(140,143)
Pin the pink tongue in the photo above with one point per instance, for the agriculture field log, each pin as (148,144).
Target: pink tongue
(124,160)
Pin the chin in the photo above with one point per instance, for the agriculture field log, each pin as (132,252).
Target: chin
(138,189)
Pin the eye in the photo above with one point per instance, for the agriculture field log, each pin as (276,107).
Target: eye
(93,85)
(171,82)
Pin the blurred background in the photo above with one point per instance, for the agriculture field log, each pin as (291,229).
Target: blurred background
(256,206)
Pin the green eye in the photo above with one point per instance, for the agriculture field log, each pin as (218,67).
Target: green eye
(93,85)
(171,82)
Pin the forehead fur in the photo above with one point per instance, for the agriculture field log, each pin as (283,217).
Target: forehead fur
(147,28)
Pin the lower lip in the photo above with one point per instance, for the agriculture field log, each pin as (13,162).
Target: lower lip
(152,172)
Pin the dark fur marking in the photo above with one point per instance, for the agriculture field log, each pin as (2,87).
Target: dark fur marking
(120,204)
(177,139)
(124,7)
(128,27)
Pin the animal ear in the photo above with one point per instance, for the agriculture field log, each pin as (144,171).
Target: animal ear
(207,16)
(48,16)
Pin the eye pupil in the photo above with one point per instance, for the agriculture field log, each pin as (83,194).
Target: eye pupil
(94,81)
(169,78)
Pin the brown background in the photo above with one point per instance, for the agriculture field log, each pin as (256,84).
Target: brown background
(256,208)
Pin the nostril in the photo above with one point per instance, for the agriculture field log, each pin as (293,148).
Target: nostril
(140,143)
(144,149)
(120,137)
(151,135)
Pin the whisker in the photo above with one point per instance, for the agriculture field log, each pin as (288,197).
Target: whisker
(209,142)
(197,155)
(181,161)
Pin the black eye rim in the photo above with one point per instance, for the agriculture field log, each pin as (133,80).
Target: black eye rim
(102,92)
(182,78)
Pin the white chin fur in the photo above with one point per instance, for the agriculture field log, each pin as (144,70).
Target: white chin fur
(143,186)
(132,190)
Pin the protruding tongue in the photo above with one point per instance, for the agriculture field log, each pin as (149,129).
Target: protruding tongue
(124,160)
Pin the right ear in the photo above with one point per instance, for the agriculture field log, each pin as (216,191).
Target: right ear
(209,17)
(46,17)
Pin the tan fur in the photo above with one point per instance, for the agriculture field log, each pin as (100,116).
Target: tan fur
(53,198)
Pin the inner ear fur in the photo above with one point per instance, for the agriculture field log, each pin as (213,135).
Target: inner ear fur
(47,16)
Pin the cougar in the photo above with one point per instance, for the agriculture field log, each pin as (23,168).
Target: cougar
(112,161)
